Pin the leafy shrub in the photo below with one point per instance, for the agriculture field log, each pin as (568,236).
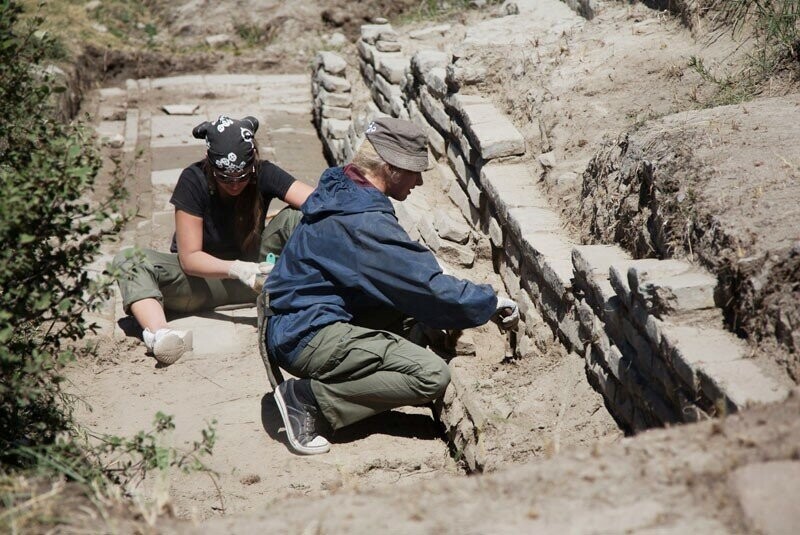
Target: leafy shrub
(50,231)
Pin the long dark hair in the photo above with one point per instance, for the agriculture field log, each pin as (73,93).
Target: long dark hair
(248,208)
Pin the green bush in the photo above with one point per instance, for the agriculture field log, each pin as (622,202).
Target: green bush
(50,230)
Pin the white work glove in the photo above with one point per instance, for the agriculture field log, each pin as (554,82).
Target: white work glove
(506,315)
(248,271)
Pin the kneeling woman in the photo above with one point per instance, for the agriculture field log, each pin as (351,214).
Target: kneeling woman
(220,208)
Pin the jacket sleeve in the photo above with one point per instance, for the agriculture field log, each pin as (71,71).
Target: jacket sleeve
(404,274)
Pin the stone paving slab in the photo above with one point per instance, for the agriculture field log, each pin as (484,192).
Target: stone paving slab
(511,186)
(171,131)
(166,177)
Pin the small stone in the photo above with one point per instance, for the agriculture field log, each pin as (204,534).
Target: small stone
(465,345)
(379,20)
(388,46)
(332,63)
(495,233)
(511,8)
(180,109)
(115,142)
(337,39)
(449,228)
(91,6)
(547,159)
(457,254)
(458,77)
(220,39)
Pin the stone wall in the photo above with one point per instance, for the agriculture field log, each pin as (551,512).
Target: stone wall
(647,329)
(332,107)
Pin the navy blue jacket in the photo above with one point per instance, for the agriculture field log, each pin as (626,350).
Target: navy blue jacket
(349,254)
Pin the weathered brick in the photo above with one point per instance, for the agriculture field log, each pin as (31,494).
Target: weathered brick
(459,197)
(334,84)
(335,112)
(330,62)
(366,50)
(490,131)
(334,128)
(428,232)
(495,233)
(455,230)
(434,80)
(550,253)
(511,186)
(739,383)
(671,285)
(373,32)
(388,46)
(461,255)
(342,100)
(434,111)
(391,66)
(425,60)
(692,347)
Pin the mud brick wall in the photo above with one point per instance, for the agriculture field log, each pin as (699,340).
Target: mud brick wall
(384,68)
(647,329)
(333,103)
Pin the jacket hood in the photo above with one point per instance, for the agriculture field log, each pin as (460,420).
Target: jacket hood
(337,194)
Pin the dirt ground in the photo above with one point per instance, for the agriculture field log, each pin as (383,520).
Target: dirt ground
(568,84)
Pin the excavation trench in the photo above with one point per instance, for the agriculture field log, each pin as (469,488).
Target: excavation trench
(499,411)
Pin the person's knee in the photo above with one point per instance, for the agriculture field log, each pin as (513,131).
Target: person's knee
(435,379)
(122,258)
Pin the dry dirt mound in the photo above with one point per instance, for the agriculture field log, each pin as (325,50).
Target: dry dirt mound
(667,481)
(720,186)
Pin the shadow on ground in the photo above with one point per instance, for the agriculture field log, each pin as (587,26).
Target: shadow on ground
(393,423)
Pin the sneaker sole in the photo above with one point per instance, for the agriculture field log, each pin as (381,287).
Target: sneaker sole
(173,348)
(299,448)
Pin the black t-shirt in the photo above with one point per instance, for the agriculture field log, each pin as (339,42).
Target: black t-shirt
(191,195)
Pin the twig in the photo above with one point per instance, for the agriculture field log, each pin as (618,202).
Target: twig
(219,491)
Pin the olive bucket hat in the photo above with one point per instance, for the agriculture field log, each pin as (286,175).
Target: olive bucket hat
(400,143)
(230,142)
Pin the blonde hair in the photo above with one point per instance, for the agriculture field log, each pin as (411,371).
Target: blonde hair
(367,159)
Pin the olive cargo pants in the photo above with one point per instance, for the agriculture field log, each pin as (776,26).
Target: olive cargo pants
(159,275)
(360,370)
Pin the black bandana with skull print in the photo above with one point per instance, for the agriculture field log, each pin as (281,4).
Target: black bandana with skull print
(230,142)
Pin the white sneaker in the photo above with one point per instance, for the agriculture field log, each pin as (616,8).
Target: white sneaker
(167,345)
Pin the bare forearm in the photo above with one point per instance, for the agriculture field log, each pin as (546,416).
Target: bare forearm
(201,264)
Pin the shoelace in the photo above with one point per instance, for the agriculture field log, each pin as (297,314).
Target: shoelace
(309,426)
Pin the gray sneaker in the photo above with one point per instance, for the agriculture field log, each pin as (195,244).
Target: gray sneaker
(300,421)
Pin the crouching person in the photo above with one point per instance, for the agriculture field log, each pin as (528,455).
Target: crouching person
(349,285)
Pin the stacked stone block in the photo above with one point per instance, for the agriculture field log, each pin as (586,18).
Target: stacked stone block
(384,68)
(332,105)
(653,345)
